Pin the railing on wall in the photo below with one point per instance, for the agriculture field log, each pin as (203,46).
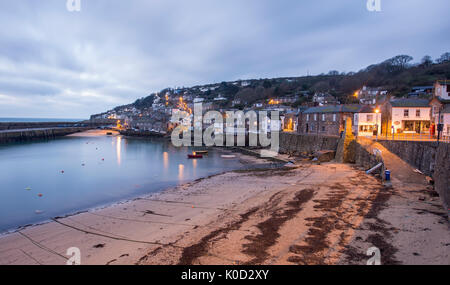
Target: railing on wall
(411,137)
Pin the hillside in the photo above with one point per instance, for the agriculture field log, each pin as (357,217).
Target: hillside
(397,75)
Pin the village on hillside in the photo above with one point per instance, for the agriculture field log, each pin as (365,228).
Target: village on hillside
(423,114)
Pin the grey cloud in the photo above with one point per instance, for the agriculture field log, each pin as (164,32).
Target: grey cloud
(114,52)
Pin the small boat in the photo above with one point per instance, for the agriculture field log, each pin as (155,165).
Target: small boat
(201,152)
(194,156)
(109,133)
(228,156)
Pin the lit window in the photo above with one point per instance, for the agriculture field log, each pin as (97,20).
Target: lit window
(369,118)
(334,117)
(315,117)
(307,117)
(323,117)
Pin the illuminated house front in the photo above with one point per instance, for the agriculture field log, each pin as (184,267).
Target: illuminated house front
(367,122)
(410,116)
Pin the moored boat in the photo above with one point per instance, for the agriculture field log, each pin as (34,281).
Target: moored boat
(193,156)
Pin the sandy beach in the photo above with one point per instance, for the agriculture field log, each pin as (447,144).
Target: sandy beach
(312,213)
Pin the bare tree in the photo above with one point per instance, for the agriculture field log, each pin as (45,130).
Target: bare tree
(444,58)
(426,61)
(398,63)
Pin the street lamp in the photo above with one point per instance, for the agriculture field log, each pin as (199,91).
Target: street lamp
(377,111)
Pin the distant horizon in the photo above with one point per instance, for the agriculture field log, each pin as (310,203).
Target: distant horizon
(37,119)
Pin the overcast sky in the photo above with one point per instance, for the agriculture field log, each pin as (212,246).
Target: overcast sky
(60,64)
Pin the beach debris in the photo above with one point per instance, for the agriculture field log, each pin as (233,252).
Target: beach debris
(38,212)
(418,171)
(429,180)
(40,195)
(290,164)
(100,245)
(227,156)
(28,188)
(374,168)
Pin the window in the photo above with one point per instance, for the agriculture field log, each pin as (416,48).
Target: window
(315,117)
(406,113)
(323,117)
(323,128)
(334,117)
(418,113)
(307,117)
(369,118)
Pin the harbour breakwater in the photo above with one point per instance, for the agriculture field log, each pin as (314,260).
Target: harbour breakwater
(38,125)
(11,136)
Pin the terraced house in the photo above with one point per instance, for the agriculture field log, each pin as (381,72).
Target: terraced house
(407,116)
(330,120)
(440,108)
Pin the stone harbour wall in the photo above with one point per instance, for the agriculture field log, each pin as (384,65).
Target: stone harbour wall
(432,158)
(296,144)
(27,135)
(421,155)
(441,174)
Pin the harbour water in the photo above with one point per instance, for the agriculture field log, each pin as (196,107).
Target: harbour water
(45,179)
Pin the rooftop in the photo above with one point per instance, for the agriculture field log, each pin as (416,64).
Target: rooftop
(410,103)
(340,109)
(444,82)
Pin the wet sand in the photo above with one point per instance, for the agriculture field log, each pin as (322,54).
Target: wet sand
(311,214)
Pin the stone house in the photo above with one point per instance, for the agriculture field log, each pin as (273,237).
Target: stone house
(369,95)
(442,89)
(440,107)
(326,120)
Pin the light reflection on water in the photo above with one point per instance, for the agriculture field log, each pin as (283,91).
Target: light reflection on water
(97,171)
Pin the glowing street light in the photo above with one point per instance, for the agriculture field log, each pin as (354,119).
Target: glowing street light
(377,111)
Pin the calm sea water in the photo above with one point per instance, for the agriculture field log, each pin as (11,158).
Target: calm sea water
(36,120)
(97,171)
